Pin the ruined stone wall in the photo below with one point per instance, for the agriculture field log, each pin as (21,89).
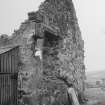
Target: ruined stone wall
(54,31)
(60,15)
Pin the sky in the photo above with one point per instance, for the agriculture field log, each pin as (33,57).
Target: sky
(91,19)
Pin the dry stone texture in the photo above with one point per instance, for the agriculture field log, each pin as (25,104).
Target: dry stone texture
(51,52)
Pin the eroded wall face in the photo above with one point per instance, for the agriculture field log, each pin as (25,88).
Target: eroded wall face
(60,15)
(30,69)
(51,53)
(61,64)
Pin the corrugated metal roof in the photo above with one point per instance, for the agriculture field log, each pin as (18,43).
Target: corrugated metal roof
(5,49)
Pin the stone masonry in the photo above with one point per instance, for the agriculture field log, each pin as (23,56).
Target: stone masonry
(51,53)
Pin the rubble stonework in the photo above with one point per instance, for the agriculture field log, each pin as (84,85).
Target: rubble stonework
(51,53)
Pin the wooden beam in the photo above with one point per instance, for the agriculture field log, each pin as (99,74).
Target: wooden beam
(72,94)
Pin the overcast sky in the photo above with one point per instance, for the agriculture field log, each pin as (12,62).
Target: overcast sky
(91,18)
